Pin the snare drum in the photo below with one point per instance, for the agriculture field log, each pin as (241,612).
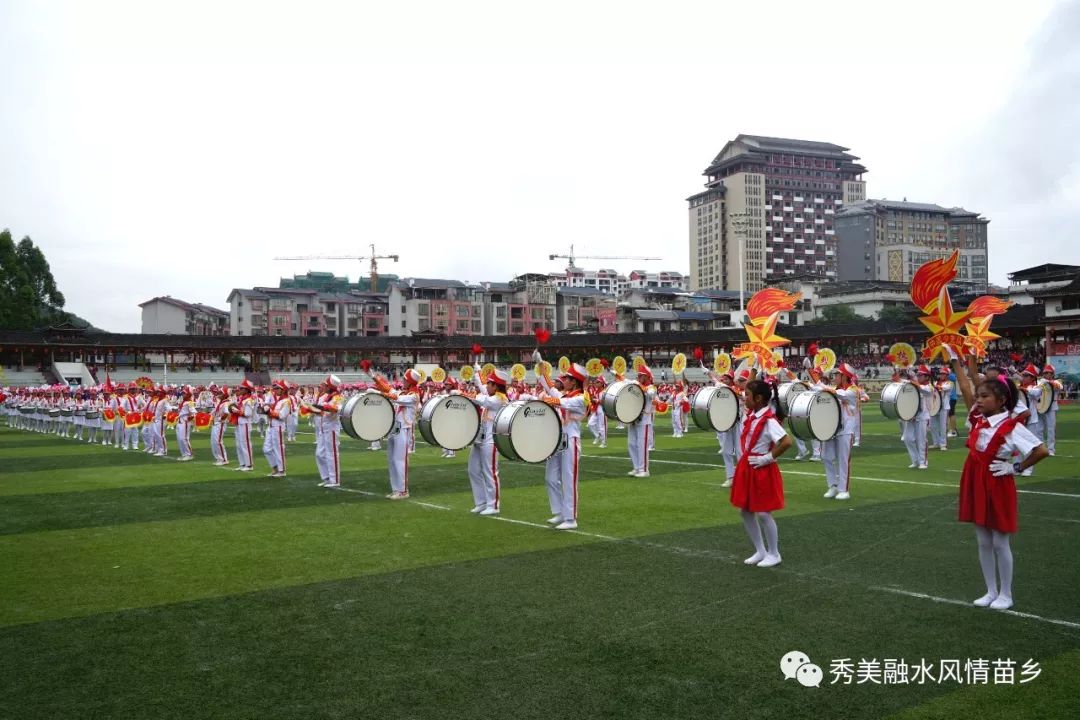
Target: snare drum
(367,416)
(93,414)
(528,430)
(54,413)
(715,408)
(66,413)
(815,415)
(900,401)
(623,401)
(452,422)
(1046,399)
(787,392)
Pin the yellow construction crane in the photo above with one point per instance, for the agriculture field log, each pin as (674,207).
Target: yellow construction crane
(372,257)
(572,257)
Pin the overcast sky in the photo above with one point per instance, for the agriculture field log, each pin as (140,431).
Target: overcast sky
(176,148)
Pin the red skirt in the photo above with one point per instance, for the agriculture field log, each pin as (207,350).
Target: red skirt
(987,500)
(757,489)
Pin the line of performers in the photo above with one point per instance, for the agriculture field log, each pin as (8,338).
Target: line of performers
(1003,440)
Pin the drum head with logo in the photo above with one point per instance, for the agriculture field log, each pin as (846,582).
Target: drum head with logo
(900,401)
(715,408)
(528,430)
(368,416)
(623,401)
(451,421)
(935,401)
(1047,397)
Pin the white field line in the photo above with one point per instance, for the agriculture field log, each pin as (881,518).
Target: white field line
(375,494)
(853,477)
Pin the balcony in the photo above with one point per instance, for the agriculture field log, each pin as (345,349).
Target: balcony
(830,232)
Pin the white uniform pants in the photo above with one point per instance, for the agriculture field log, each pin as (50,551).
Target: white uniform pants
(292,422)
(118,431)
(598,426)
(561,475)
(799,444)
(217,442)
(729,448)
(676,423)
(157,436)
(937,428)
(915,440)
(327,447)
(243,444)
(1049,423)
(638,437)
(183,438)
(484,475)
(274,445)
(836,457)
(397,455)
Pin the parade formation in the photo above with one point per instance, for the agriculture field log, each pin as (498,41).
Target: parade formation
(493,413)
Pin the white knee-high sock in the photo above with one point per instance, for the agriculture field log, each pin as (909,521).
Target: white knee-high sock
(985,537)
(750,522)
(772,534)
(1003,553)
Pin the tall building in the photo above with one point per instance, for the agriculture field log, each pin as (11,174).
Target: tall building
(610,281)
(888,240)
(167,315)
(777,198)
(293,312)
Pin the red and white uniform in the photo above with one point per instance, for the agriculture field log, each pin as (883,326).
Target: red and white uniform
(400,440)
(758,489)
(984,499)
(483,456)
(328,437)
(561,469)
(274,442)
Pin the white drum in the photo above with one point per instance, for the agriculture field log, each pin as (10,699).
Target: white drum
(451,421)
(788,391)
(1046,399)
(935,402)
(528,430)
(900,401)
(715,408)
(815,415)
(368,416)
(623,401)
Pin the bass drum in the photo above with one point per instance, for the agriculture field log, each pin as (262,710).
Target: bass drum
(935,402)
(623,401)
(451,421)
(1047,397)
(368,416)
(900,401)
(815,415)
(528,430)
(788,391)
(715,408)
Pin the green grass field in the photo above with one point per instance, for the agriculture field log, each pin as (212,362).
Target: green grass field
(139,587)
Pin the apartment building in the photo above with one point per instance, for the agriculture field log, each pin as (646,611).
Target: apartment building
(166,315)
(309,313)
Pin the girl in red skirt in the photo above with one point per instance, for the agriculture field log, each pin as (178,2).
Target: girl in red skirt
(987,487)
(758,489)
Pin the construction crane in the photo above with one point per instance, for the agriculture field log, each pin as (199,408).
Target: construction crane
(372,257)
(572,257)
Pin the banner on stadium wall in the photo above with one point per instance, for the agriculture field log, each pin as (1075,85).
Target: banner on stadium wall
(607,320)
(1067,367)
(1064,349)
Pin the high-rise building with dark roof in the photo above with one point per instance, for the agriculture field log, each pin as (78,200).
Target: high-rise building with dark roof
(778,198)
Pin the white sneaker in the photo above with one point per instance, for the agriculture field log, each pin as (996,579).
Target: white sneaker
(1027,473)
(800,458)
(755,558)
(332,484)
(632,473)
(642,474)
(555,520)
(487,512)
(726,483)
(912,466)
(567,525)
(477,509)
(815,458)
(924,466)
(398,496)
(324,483)
(843,496)
(985,600)
(1052,452)
(942,447)
(771,560)
(951,434)
(1003,602)
(831,492)
(246,469)
(604,445)
(854,444)
(159,454)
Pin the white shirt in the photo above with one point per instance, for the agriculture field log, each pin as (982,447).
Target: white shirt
(1034,392)
(1019,441)
(773,433)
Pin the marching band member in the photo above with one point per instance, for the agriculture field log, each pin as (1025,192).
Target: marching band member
(1049,423)
(292,422)
(639,434)
(758,489)
(119,429)
(276,412)
(677,415)
(328,430)
(243,409)
(397,445)
(185,416)
(561,469)
(728,439)
(1032,392)
(597,422)
(836,452)
(163,408)
(219,424)
(987,495)
(483,458)
(915,429)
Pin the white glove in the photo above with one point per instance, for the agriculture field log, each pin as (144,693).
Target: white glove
(760,461)
(952,353)
(476,367)
(1001,468)
(537,359)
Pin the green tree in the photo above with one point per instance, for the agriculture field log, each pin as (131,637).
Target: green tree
(29,298)
(831,314)
(896,314)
